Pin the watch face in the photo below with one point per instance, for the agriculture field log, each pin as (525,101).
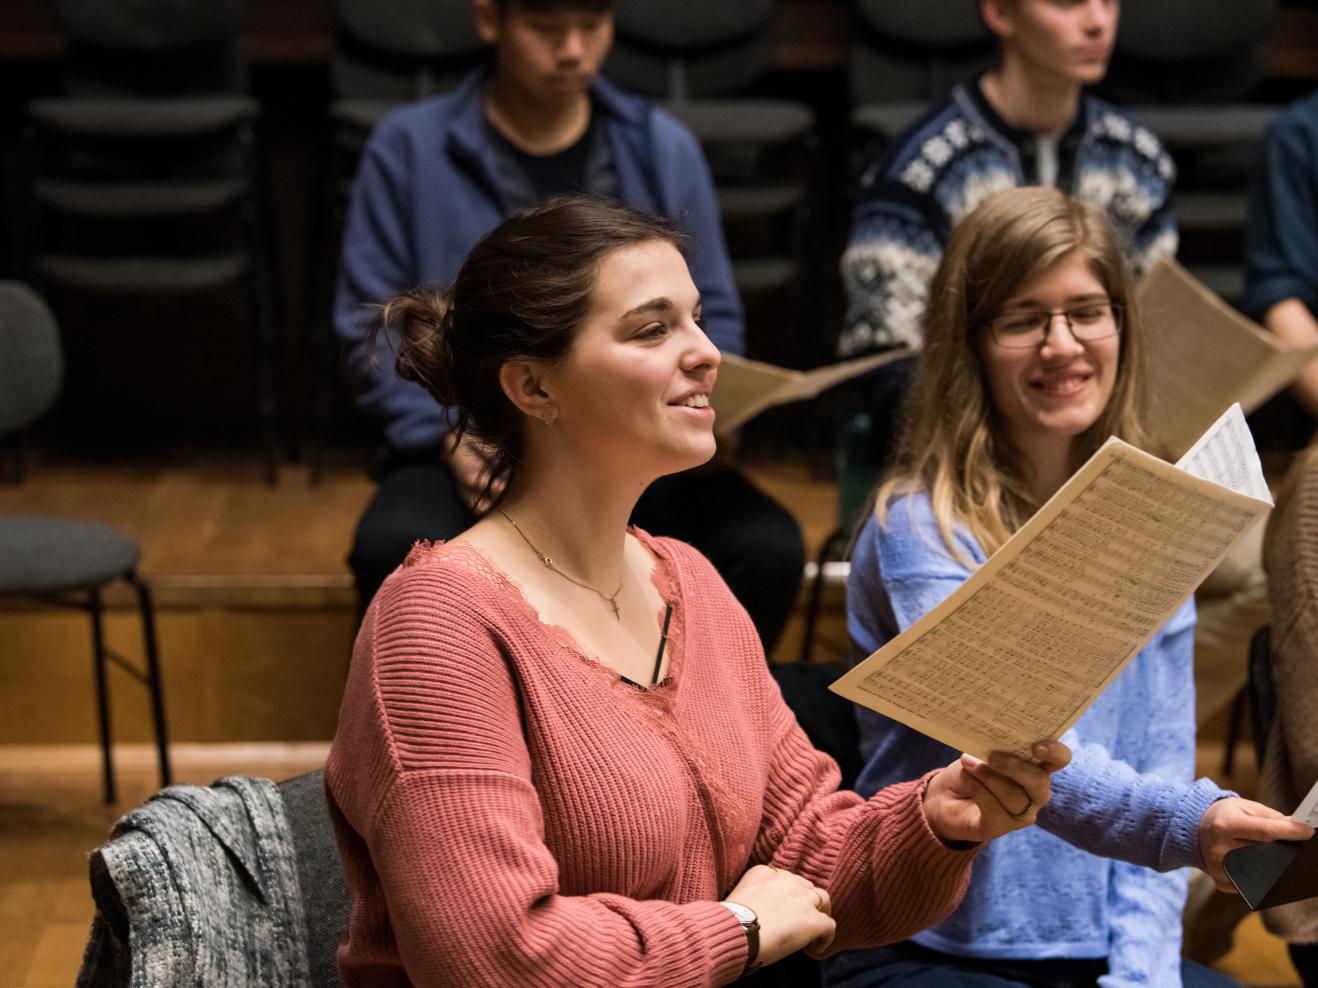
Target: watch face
(745,914)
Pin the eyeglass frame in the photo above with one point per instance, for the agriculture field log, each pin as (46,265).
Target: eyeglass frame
(1118,316)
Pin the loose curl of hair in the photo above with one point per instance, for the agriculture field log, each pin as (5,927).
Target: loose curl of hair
(951,442)
(522,293)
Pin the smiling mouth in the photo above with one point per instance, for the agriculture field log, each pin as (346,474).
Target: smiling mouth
(1063,385)
(693,401)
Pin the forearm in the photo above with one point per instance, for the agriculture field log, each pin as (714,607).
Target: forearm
(1296,327)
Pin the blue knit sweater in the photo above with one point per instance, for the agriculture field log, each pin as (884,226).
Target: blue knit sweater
(1044,892)
(955,156)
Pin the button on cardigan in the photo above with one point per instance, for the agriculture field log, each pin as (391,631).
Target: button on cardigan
(511,813)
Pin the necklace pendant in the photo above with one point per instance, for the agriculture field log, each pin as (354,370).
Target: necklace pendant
(617,615)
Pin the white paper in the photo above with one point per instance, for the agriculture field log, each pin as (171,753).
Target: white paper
(1225,454)
(1307,811)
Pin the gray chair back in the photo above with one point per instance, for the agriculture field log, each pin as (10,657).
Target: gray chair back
(31,364)
(1191,51)
(677,51)
(402,50)
(326,901)
(152,47)
(916,51)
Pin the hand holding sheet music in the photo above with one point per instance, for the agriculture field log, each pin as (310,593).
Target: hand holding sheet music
(1020,650)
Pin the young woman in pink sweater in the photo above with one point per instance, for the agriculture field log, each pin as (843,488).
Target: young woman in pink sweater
(561,759)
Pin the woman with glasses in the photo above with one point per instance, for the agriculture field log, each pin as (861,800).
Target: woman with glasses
(1032,358)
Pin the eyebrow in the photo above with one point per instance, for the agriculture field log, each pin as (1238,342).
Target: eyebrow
(1031,303)
(660,304)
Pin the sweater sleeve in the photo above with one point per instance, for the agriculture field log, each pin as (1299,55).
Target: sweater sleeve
(434,775)
(887,267)
(377,263)
(1281,231)
(886,872)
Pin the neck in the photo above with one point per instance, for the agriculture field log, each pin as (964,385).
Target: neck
(581,526)
(1050,461)
(535,126)
(1030,99)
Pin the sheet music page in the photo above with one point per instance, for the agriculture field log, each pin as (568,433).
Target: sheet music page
(1020,650)
(1307,811)
(1203,356)
(1225,454)
(745,388)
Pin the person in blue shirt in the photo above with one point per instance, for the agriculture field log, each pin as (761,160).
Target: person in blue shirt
(436,176)
(1032,358)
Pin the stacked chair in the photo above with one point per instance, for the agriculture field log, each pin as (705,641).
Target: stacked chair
(699,61)
(1185,68)
(387,53)
(907,55)
(144,174)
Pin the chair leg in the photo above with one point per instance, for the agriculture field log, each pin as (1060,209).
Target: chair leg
(1233,732)
(102,689)
(834,543)
(153,680)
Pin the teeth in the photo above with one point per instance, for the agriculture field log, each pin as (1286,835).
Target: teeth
(697,401)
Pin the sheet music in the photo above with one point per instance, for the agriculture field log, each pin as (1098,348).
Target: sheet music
(1020,650)
(1307,811)
(1203,356)
(1225,454)
(745,388)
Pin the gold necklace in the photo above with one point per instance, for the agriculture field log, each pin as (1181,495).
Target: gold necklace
(610,599)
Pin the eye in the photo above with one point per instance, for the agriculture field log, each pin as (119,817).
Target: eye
(1089,313)
(1020,322)
(652,331)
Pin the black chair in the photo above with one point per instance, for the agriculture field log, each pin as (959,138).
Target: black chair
(907,55)
(386,53)
(1259,696)
(144,174)
(702,62)
(326,901)
(58,560)
(1186,69)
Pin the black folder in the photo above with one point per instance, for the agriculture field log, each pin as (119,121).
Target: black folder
(1276,873)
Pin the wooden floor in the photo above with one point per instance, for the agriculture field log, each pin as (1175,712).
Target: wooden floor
(242,568)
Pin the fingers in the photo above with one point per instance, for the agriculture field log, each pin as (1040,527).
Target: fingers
(1020,787)
(1052,756)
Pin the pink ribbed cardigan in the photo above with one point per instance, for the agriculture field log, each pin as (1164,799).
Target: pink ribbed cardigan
(509,812)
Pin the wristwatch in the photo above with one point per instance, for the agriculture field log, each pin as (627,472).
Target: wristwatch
(750,925)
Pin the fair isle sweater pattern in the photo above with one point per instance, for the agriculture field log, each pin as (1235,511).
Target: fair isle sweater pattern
(953,158)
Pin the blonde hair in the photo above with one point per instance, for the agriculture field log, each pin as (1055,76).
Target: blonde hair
(951,443)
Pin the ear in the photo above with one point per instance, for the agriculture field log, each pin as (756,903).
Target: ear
(997,14)
(486,16)
(522,382)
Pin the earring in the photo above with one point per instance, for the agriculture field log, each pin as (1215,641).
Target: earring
(548,414)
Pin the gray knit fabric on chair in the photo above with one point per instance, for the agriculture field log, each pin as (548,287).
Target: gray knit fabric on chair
(65,561)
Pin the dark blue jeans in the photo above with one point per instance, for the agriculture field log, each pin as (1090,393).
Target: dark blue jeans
(912,966)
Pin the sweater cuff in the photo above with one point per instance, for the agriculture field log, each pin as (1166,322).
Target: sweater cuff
(1180,849)
(726,941)
(913,842)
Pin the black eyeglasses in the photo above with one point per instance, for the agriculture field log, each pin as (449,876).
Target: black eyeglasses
(1028,328)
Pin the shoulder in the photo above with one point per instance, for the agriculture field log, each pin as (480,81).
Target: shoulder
(908,541)
(1119,132)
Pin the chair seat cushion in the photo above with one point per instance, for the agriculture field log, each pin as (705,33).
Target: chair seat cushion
(46,553)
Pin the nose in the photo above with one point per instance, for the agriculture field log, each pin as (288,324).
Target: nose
(1060,341)
(571,46)
(1100,15)
(701,353)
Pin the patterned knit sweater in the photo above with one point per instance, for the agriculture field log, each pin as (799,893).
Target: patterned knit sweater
(510,812)
(955,156)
